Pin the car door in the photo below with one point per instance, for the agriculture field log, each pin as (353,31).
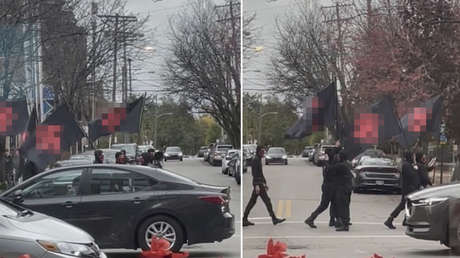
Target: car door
(57,194)
(114,199)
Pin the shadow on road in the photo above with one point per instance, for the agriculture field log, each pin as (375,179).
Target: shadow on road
(435,253)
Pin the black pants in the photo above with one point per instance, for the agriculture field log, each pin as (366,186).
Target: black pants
(327,197)
(401,206)
(263,194)
(343,200)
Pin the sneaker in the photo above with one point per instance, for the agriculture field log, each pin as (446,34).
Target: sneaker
(389,223)
(247,223)
(277,221)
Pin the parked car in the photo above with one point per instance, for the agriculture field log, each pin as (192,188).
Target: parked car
(202,151)
(109,155)
(234,167)
(143,148)
(207,152)
(312,156)
(376,174)
(307,151)
(276,155)
(125,206)
(434,214)
(228,156)
(130,148)
(38,235)
(376,153)
(173,152)
(217,154)
(320,157)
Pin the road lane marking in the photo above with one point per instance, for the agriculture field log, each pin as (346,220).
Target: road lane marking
(317,222)
(327,236)
(279,210)
(288,209)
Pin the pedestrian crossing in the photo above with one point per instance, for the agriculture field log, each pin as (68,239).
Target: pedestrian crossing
(284,209)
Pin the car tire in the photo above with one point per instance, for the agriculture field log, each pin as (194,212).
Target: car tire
(357,190)
(152,223)
(266,163)
(286,162)
(181,159)
(166,159)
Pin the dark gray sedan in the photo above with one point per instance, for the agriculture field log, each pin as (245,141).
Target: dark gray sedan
(434,214)
(124,206)
(276,155)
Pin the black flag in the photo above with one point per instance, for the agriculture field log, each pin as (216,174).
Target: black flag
(118,119)
(389,125)
(13,117)
(319,111)
(49,139)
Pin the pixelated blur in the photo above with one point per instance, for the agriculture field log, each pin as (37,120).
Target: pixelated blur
(48,138)
(417,119)
(315,110)
(7,117)
(366,128)
(112,119)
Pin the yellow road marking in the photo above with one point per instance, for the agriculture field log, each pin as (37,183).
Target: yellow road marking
(288,209)
(279,211)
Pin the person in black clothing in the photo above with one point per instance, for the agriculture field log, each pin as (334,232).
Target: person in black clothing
(344,187)
(410,180)
(423,170)
(98,157)
(30,170)
(260,189)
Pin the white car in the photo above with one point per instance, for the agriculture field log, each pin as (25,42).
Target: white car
(228,157)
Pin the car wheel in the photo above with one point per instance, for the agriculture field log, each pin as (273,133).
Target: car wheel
(163,227)
(181,159)
(286,162)
(166,159)
(356,190)
(266,163)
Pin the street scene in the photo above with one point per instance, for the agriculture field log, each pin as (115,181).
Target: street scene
(349,108)
(120,128)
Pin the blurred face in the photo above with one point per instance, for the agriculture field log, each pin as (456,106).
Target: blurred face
(261,153)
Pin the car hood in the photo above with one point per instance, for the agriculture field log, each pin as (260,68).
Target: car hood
(47,228)
(451,190)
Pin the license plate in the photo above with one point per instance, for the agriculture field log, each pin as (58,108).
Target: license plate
(379,182)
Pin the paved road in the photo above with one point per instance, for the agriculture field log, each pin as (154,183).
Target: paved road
(295,192)
(198,170)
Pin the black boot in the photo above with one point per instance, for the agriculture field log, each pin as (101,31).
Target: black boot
(331,222)
(389,223)
(246,223)
(340,225)
(309,222)
(276,220)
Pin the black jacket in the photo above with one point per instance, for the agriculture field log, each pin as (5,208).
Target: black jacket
(343,176)
(256,169)
(423,174)
(410,179)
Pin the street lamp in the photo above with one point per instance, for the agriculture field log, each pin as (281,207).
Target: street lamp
(156,126)
(260,124)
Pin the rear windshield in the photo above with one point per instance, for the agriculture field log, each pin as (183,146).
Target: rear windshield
(130,149)
(381,162)
(174,149)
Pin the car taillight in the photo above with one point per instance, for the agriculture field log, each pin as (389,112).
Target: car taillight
(213,199)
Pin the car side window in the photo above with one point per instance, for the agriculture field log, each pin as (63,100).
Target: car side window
(110,181)
(60,184)
(142,183)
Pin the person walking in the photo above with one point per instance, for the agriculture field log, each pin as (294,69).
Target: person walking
(410,182)
(344,187)
(456,173)
(423,170)
(260,188)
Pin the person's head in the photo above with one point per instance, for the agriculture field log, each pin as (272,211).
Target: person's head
(260,151)
(151,150)
(408,156)
(341,156)
(98,156)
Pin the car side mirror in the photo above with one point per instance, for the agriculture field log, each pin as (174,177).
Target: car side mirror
(18,196)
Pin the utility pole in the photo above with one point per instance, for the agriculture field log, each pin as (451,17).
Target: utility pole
(130,77)
(124,20)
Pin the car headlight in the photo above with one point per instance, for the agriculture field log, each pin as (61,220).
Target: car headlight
(166,155)
(285,157)
(77,250)
(180,153)
(429,201)
(267,157)
(397,175)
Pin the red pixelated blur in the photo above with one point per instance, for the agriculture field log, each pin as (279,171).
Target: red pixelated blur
(48,138)
(315,110)
(417,119)
(111,120)
(366,128)
(6,117)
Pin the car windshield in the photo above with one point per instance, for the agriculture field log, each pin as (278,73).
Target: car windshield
(224,147)
(276,151)
(129,148)
(173,149)
(379,162)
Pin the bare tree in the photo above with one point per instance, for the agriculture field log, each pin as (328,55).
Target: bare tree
(205,62)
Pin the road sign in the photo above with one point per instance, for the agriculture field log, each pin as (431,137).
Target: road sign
(443,138)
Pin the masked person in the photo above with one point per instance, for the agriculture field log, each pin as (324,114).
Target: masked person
(410,180)
(260,189)
(98,157)
(423,170)
(344,187)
